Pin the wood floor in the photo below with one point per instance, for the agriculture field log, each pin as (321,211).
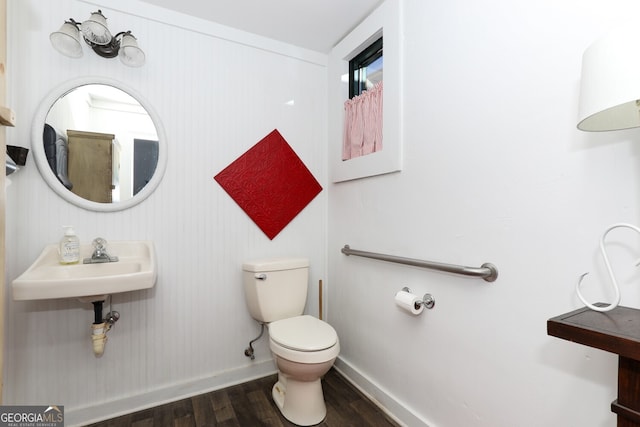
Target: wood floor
(250,404)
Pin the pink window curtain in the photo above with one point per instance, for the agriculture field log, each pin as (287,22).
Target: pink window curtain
(363,123)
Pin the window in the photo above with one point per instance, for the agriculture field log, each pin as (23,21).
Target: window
(363,111)
(365,70)
(387,19)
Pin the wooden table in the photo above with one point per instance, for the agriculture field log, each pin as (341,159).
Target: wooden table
(616,331)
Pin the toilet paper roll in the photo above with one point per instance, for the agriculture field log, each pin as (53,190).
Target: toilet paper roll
(408,302)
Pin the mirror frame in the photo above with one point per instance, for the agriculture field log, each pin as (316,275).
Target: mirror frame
(37,146)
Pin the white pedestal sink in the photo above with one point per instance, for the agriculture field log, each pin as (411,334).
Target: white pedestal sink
(46,278)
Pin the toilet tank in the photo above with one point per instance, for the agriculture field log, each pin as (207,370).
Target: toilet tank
(275,288)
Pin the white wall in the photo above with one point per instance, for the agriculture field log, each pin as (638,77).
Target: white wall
(494,171)
(216,97)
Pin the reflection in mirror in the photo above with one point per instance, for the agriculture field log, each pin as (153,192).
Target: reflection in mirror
(100,143)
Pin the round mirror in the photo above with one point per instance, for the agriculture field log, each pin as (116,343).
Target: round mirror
(98,144)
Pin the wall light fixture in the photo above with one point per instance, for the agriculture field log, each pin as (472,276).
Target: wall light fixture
(96,34)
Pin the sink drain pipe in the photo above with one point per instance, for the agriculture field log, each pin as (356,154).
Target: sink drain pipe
(97,311)
(99,329)
(101,326)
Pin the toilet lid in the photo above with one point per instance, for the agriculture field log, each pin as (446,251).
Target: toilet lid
(303,333)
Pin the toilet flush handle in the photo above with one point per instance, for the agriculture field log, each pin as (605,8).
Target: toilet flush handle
(261,276)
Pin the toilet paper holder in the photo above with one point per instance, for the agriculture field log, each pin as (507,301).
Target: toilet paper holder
(428,301)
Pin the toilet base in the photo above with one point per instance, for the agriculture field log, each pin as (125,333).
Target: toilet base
(301,402)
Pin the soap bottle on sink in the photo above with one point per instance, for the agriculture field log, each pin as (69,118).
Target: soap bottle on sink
(69,250)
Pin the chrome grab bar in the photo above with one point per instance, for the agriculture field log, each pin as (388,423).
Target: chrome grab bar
(487,271)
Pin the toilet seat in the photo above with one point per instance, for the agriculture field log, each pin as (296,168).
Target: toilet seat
(303,333)
(304,339)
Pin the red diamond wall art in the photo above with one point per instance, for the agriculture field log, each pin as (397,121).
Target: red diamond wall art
(270,183)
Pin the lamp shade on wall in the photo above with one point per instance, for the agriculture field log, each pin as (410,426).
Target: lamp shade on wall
(130,54)
(96,34)
(67,40)
(95,29)
(610,83)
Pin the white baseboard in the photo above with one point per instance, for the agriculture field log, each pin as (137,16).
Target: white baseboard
(380,397)
(177,391)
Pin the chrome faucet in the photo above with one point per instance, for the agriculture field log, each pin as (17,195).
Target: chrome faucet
(100,254)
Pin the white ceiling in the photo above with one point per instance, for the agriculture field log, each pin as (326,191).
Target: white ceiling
(313,24)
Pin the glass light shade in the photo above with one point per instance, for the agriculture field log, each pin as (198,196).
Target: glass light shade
(67,40)
(130,54)
(610,83)
(95,29)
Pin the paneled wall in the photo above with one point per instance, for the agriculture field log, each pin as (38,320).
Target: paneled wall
(218,92)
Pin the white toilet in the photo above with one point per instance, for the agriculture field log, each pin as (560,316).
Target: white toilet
(304,348)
